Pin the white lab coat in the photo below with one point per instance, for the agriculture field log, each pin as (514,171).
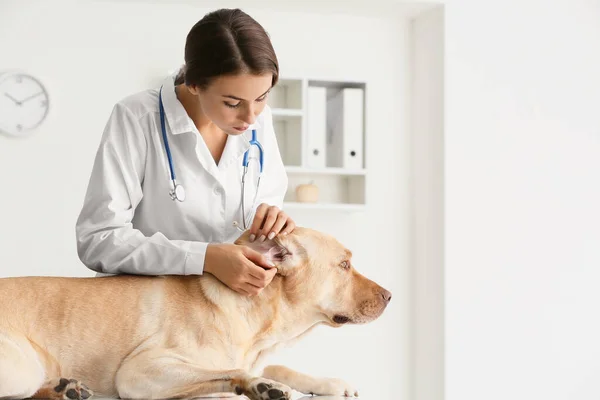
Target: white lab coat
(128,222)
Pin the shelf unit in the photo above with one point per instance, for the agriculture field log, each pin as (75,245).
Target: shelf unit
(320,129)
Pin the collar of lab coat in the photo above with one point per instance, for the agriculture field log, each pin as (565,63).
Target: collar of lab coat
(180,122)
(176,116)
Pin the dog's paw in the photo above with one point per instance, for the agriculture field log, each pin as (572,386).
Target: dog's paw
(335,387)
(266,389)
(69,389)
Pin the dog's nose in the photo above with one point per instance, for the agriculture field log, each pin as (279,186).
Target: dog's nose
(387,295)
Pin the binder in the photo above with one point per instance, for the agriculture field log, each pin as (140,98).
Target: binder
(317,125)
(345,128)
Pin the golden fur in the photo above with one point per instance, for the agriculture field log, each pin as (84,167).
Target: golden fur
(179,336)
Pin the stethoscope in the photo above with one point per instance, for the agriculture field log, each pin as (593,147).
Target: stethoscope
(177,191)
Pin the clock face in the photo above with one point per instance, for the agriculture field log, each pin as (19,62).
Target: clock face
(23,103)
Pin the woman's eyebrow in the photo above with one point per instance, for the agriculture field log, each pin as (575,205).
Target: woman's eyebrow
(237,98)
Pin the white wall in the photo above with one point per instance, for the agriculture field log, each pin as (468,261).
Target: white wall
(427,205)
(522,189)
(92,53)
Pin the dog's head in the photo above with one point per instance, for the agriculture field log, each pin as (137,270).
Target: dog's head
(318,275)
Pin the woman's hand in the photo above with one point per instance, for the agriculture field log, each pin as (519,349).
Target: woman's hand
(241,268)
(269,222)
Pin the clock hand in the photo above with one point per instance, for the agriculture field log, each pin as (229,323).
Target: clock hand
(30,97)
(17,102)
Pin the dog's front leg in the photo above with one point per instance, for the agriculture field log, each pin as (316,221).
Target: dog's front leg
(307,384)
(162,375)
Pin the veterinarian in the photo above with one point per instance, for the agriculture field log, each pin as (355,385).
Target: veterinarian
(165,196)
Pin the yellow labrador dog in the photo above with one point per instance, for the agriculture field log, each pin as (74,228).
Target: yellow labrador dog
(179,337)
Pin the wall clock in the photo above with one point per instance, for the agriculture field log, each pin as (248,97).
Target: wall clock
(24,103)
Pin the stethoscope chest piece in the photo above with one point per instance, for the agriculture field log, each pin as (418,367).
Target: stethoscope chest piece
(178,193)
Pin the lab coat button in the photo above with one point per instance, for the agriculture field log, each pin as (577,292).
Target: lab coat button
(217,191)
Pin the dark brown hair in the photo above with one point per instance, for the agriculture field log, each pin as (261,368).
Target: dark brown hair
(227,42)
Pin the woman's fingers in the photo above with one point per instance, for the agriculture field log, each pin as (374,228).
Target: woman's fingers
(256,259)
(259,217)
(262,280)
(256,282)
(242,290)
(269,222)
(263,222)
(282,218)
(289,227)
(258,271)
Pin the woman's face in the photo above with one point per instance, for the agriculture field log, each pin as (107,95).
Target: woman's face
(233,102)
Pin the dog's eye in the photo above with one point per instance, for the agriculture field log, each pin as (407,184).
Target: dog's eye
(345,264)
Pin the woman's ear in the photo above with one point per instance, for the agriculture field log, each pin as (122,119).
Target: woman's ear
(193,89)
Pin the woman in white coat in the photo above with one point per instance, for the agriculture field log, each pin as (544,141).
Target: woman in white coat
(130,224)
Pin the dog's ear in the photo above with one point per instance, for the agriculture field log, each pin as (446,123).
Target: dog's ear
(282,251)
(273,250)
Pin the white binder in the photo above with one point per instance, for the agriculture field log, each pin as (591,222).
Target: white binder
(316,126)
(345,125)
